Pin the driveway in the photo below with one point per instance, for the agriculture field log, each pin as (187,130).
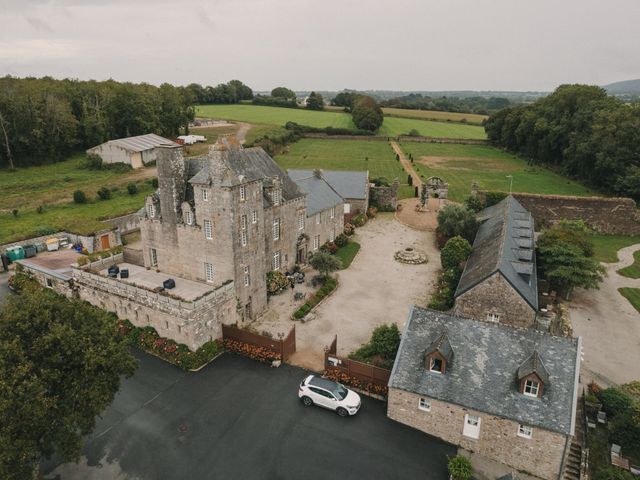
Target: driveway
(609,326)
(240,419)
(374,290)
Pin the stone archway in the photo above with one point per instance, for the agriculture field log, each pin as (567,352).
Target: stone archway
(435,192)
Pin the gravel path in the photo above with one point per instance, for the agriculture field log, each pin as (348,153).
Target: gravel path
(609,326)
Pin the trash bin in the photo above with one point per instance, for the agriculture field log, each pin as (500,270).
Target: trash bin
(15,253)
(53,244)
(40,247)
(30,251)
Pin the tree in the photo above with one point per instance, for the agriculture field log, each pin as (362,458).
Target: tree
(283,92)
(473,203)
(315,101)
(104,193)
(455,220)
(344,99)
(61,362)
(79,197)
(455,252)
(574,232)
(325,263)
(366,113)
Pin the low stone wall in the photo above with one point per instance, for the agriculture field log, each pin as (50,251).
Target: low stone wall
(90,242)
(126,223)
(384,197)
(461,141)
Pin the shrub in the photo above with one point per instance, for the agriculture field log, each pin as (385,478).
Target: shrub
(154,183)
(455,252)
(454,220)
(329,247)
(372,212)
(341,240)
(491,198)
(613,473)
(82,261)
(329,286)
(473,203)
(615,402)
(359,220)
(349,229)
(325,263)
(459,468)
(79,197)
(414,133)
(15,212)
(104,193)
(132,189)
(276,282)
(40,209)
(93,162)
(381,182)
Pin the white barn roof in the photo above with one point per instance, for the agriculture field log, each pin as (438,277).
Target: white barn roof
(141,142)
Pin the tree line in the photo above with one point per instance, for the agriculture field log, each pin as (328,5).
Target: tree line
(479,105)
(365,110)
(579,130)
(44,120)
(230,92)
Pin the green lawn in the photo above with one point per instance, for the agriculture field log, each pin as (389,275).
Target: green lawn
(633,270)
(375,156)
(459,165)
(392,126)
(633,295)
(348,253)
(606,246)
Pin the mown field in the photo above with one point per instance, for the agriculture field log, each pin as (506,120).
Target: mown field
(633,295)
(472,118)
(606,247)
(375,156)
(392,126)
(459,165)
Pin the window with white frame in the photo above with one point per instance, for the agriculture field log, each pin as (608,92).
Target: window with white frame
(276,261)
(424,405)
(531,388)
(318,219)
(347,208)
(153,256)
(254,216)
(208,230)
(243,193)
(275,196)
(332,235)
(435,364)
(493,317)
(243,222)
(525,431)
(188,217)
(471,426)
(333,212)
(300,220)
(205,194)
(243,237)
(276,228)
(316,242)
(208,272)
(152,210)
(247,278)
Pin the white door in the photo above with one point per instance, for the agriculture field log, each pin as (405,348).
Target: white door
(471,426)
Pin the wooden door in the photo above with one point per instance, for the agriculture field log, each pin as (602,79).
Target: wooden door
(104,242)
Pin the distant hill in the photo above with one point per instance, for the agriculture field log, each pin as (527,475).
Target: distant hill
(628,86)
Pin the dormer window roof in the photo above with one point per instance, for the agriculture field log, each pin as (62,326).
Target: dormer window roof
(439,354)
(533,376)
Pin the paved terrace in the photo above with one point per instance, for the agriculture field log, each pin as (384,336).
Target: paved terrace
(58,262)
(187,290)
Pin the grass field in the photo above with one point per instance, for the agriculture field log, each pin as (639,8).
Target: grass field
(606,246)
(633,295)
(375,156)
(459,165)
(472,118)
(633,270)
(347,253)
(392,126)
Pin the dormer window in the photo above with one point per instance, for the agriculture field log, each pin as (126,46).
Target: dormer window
(439,354)
(532,376)
(436,365)
(152,210)
(276,196)
(531,388)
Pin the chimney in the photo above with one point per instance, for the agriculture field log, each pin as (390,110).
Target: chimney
(317,173)
(171,180)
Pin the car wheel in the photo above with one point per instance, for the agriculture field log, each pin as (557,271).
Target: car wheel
(342,412)
(307,401)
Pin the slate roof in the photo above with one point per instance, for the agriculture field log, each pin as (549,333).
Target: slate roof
(320,195)
(483,372)
(504,243)
(534,364)
(141,142)
(347,184)
(442,345)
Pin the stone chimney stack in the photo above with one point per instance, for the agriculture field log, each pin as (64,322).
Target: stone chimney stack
(171,180)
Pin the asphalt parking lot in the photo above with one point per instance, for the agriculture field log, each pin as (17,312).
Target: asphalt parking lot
(240,419)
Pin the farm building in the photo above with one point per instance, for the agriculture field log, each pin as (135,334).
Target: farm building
(135,151)
(353,187)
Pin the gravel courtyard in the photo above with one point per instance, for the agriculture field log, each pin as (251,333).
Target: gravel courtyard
(375,289)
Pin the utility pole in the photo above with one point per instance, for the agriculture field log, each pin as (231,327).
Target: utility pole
(510,177)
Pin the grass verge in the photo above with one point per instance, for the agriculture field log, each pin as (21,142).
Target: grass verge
(347,253)
(633,270)
(606,246)
(633,295)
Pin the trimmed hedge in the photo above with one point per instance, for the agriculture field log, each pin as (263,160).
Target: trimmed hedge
(329,286)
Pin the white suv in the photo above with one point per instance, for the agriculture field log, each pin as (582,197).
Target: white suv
(326,393)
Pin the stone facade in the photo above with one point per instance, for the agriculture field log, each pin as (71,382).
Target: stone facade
(495,296)
(384,197)
(541,455)
(323,227)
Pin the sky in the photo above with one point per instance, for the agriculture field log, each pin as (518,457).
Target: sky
(522,45)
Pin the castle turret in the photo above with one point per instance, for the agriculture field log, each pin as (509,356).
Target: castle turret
(171,180)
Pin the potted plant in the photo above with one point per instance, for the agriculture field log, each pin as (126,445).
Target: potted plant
(459,468)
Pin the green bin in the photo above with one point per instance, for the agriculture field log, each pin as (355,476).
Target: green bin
(15,253)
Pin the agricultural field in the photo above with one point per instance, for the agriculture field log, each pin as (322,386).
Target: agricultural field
(375,156)
(392,126)
(472,118)
(459,165)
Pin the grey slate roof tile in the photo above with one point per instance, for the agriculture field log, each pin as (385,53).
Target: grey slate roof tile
(347,184)
(320,196)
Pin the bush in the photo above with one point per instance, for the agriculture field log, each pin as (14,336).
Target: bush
(154,183)
(381,182)
(276,282)
(104,193)
(79,197)
(40,209)
(414,133)
(613,473)
(491,198)
(132,189)
(455,220)
(372,212)
(329,247)
(455,252)
(459,468)
(93,162)
(615,402)
(359,220)
(382,347)
(329,286)
(473,203)
(341,240)
(325,263)
(349,229)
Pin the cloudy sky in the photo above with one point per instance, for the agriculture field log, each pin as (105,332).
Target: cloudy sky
(328,44)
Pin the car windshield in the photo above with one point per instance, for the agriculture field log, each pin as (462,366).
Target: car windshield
(340,392)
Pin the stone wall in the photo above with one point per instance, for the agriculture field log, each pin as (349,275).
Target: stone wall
(462,141)
(326,226)
(126,223)
(384,196)
(541,455)
(495,295)
(90,242)
(618,216)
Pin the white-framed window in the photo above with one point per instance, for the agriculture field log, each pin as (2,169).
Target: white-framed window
(254,216)
(300,220)
(205,194)
(243,193)
(493,317)
(531,388)
(333,212)
(525,431)
(247,278)
(424,405)
(276,229)
(208,272)
(188,217)
(243,222)
(435,364)
(332,235)
(347,208)
(152,210)
(243,237)
(275,196)
(208,230)
(318,218)
(471,426)
(153,255)
(316,242)
(276,261)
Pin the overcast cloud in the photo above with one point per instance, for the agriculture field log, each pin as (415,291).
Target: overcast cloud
(326,45)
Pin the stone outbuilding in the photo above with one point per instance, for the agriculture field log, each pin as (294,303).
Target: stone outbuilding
(499,281)
(353,187)
(507,394)
(135,151)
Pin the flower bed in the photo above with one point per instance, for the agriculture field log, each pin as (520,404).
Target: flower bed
(147,339)
(254,352)
(354,382)
(324,291)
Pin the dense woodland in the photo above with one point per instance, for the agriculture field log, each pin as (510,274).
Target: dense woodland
(479,105)
(579,130)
